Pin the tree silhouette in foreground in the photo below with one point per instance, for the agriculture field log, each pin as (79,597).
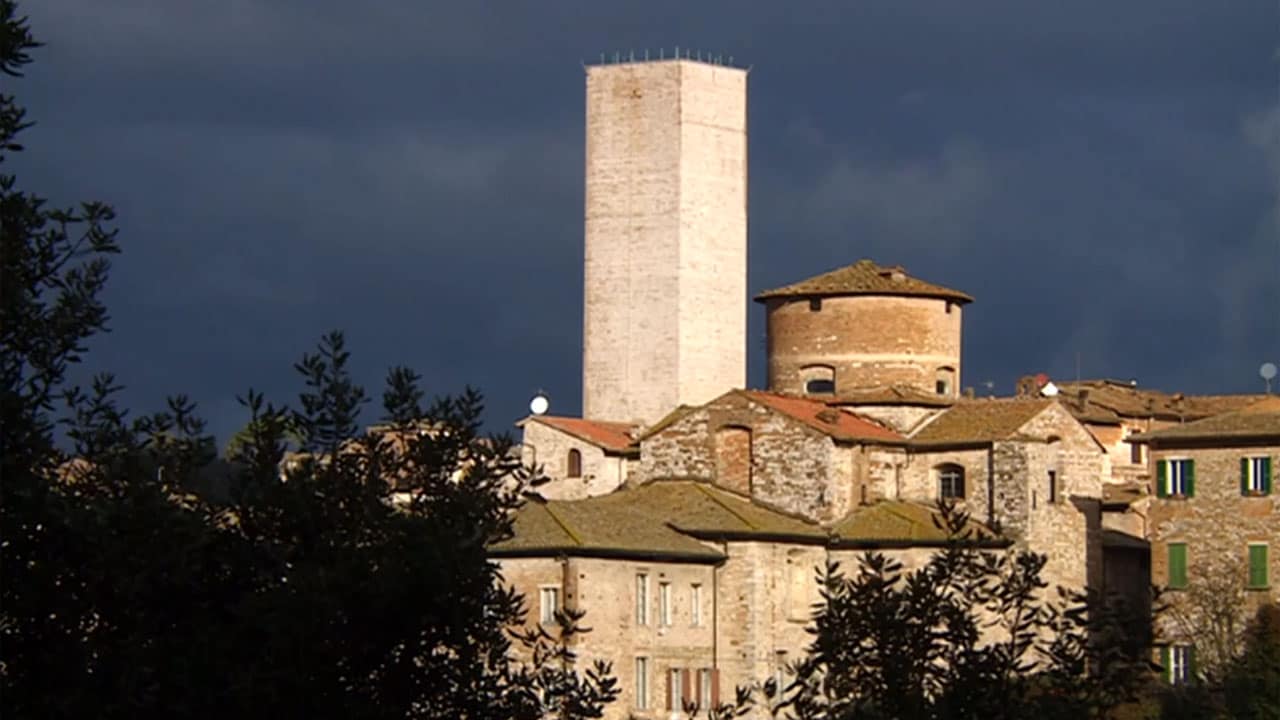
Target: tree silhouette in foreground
(302,594)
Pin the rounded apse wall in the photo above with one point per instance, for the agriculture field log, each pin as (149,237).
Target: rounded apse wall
(838,344)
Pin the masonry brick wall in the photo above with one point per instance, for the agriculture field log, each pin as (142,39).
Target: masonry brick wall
(793,467)
(872,341)
(903,418)
(665,226)
(1218,523)
(548,447)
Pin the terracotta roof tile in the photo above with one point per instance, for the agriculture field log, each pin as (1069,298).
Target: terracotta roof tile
(1258,421)
(838,423)
(1122,399)
(657,518)
(865,278)
(979,421)
(899,522)
(665,518)
(612,436)
(1126,493)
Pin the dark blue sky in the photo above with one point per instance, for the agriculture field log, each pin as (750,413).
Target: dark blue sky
(1102,176)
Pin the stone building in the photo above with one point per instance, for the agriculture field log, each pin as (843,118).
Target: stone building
(686,514)
(1214,522)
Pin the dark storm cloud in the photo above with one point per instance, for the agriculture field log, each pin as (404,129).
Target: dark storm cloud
(1102,176)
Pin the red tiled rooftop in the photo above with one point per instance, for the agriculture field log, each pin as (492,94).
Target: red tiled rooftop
(839,424)
(614,436)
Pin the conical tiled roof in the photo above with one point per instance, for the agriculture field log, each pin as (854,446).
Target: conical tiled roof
(865,278)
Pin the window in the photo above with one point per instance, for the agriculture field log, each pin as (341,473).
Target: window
(951,482)
(1177,566)
(1255,476)
(550,602)
(695,605)
(1175,478)
(1258,566)
(1053,486)
(677,689)
(642,683)
(642,599)
(706,683)
(779,672)
(818,379)
(948,307)
(664,604)
(944,380)
(574,464)
(1135,453)
(1178,662)
(815,304)
(820,387)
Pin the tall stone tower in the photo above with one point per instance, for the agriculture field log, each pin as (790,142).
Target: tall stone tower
(666,237)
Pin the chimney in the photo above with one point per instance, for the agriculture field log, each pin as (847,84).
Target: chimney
(1083,399)
(969,393)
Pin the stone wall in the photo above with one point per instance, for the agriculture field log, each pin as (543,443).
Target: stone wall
(1064,521)
(919,478)
(792,467)
(665,227)
(872,341)
(1217,524)
(549,448)
(903,418)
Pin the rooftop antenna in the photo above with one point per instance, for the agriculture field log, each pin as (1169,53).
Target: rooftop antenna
(1267,372)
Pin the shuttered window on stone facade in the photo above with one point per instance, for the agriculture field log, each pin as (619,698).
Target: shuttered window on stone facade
(1255,476)
(1178,663)
(1177,565)
(1176,478)
(1258,566)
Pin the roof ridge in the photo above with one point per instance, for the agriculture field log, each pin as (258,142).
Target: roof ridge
(724,505)
(563,525)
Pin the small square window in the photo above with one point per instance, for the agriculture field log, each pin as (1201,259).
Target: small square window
(815,304)
(1176,478)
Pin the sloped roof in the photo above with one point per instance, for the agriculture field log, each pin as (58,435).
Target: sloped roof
(1258,421)
(1122,494)
(611,436)
(665,519)
(1124,399)
(838,423)
(979,421)
(865,277)
(897,522)
(657,519)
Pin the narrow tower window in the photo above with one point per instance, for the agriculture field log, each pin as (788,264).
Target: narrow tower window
(575,464)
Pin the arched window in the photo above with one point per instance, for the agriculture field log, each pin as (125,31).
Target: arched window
(733,459)
(951,482)
(944,381)
(575,464)
(818,379)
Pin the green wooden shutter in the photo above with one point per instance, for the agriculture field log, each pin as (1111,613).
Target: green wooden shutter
(1244,476)
(1258,566)
(1165,666)
(1189,477)
(1177,565)
(1266,475)
(1162,471)
(1191,664)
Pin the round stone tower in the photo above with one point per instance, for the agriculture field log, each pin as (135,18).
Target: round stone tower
(862,331)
